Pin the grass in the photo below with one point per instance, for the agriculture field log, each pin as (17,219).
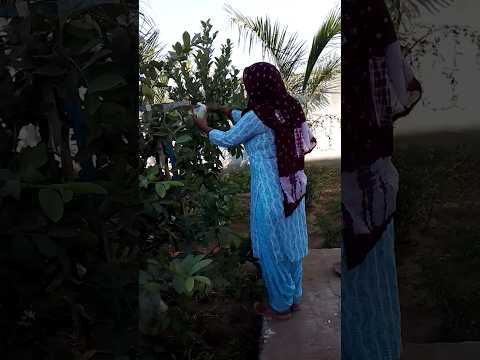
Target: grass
(322,203)
(438,236)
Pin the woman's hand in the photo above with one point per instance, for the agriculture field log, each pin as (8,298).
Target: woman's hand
(414,96)
(202,124)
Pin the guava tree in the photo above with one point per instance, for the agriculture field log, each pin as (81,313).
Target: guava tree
(188,204)
(186,164)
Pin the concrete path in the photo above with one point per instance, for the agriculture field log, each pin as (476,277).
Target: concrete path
(314,332)
(442,351)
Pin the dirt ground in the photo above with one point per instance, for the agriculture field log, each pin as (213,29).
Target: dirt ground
(438,237)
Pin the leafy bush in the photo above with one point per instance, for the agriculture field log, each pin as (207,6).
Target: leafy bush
(68,175)
(199,261)
(205,205)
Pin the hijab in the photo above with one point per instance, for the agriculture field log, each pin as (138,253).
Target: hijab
(281,112)
(369,178)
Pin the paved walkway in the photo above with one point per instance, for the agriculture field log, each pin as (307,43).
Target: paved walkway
(314,332)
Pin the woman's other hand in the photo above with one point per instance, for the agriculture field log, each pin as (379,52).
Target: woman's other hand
(201,122)
(224,109)
(414,85)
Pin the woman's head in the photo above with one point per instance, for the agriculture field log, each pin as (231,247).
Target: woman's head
(263,81)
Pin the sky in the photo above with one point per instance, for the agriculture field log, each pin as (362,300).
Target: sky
(172,20)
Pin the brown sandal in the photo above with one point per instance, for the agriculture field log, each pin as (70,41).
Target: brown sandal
(267,312)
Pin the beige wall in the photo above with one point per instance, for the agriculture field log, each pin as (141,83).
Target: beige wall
(323,149)
(436,87)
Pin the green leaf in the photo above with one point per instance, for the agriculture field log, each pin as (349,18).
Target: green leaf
(51,203)
(188,262)
(183,139)
(179,285)
(186,40)
(203,279)
(171,184)
(106,82)
(199,266)
(161,189)
(179,268)
(33,158)
(143,181)
(178,48)
(152,287)
(152,172)
(189,284)
(147,91)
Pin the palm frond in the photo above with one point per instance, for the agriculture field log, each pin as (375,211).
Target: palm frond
(149,42)
(329,30)
(324,81)
(285,49)
(432,6)
(325,73)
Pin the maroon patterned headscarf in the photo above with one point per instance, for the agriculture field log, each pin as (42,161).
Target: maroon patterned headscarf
(281,112)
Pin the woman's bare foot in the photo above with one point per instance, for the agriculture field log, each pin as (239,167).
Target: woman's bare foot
(267,312)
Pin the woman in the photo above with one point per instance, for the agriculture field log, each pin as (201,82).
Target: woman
(373,72)
(276,136)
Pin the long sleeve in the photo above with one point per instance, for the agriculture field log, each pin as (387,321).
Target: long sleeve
(236,115)
(246,128)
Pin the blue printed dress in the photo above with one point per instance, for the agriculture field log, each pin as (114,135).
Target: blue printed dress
(279,242)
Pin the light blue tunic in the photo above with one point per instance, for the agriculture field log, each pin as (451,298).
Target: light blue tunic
(273,235)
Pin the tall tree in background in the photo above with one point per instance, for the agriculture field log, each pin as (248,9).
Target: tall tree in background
(152,74)
(308,77)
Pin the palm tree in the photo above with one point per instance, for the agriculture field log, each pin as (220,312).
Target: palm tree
(150,49)
(409,9)
(310,78)
(149,43)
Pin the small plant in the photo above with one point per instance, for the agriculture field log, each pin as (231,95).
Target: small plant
(187,272)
